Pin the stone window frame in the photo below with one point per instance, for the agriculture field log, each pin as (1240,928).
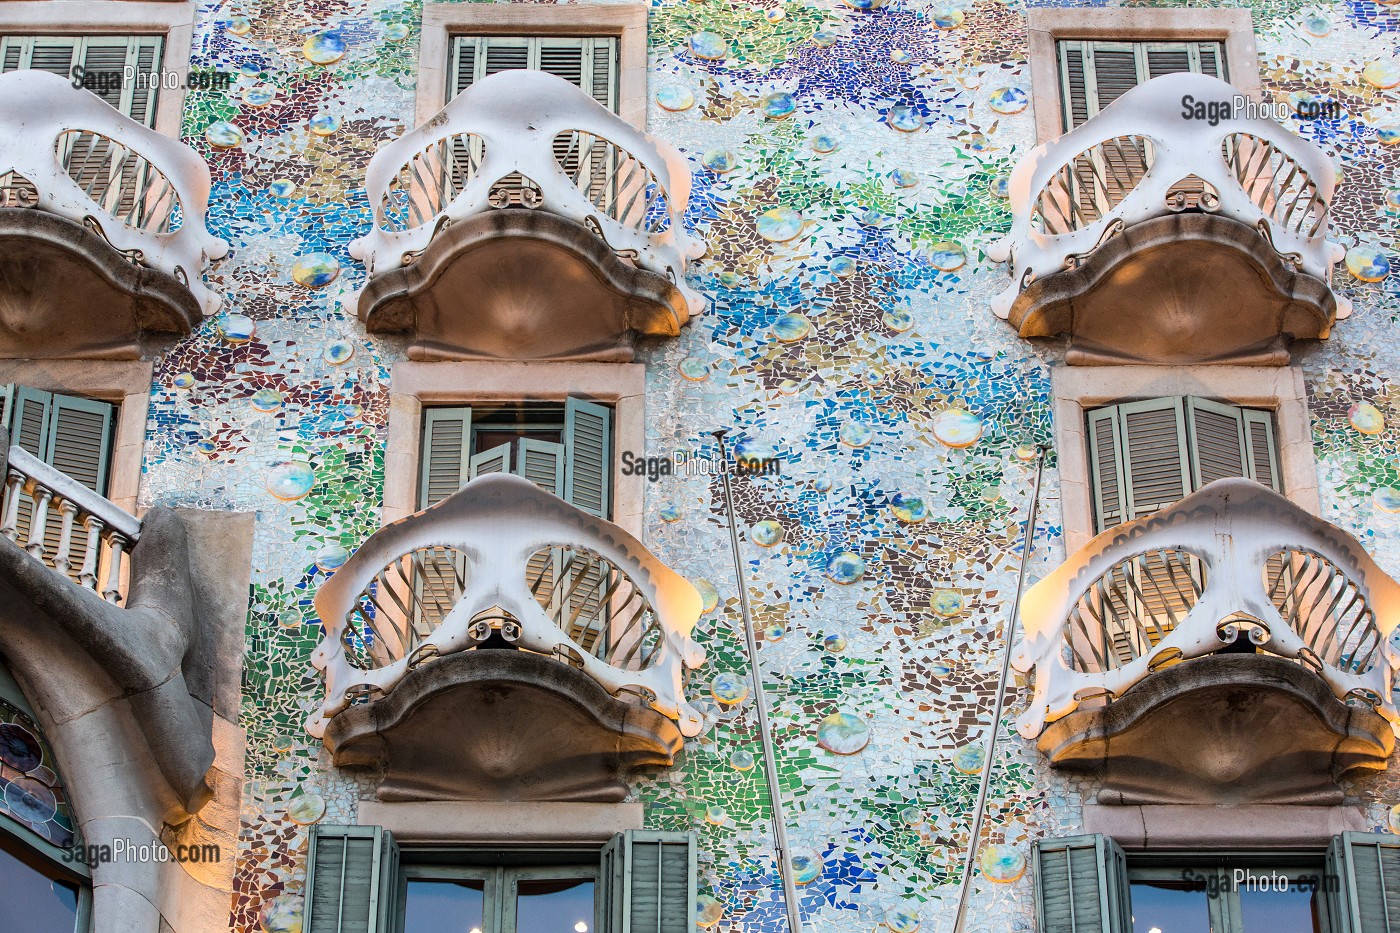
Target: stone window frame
(416,385)
(506,822)
(626,21)
(1046,27)
(173,21)
(1075,390)
(126,384)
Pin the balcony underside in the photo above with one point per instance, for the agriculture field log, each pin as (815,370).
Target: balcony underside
(502,724)
(1226,729)
(65,292)
(522,285)
(1185,288)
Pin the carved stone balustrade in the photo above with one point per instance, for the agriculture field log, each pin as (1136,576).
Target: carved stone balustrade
(102,238)
(549,644)
(1185,654)
(1149,235)
(527,221)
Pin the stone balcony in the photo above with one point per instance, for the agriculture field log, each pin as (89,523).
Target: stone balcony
(1183,656)
(1150,236)
(102,237)
(527,221)
(503,644)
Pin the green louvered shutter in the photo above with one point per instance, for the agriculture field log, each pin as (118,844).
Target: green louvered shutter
(648,883)
(1156,466)
(588,456)
(1095,74)
(589,63)
(1261,448)
(1081,886)
(542,463)
(495,460)
(1366,895)
(58,54)
(1106,467)
(444,461)
(351,880)
(1215,433)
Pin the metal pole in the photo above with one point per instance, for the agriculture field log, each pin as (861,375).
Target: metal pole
(770,763)
(965,889)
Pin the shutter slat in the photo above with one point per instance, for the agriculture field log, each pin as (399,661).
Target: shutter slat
(1216,435)
(1081,886)
(648,883)
(495,460)
(1262,449)
(1106,467)
(1155,471)
(1366,897)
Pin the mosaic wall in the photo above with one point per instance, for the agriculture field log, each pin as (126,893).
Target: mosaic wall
(850,167)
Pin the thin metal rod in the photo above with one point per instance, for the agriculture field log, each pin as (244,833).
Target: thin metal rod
(965,889)
(770,763)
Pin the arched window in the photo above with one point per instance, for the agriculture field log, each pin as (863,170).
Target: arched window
(47,888)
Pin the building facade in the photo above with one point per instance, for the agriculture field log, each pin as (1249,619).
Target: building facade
(1095,295)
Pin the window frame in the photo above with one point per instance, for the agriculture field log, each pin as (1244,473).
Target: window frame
(443,21)
(1076,390)
(1048,27)
(174,22)
(415,386)
(1225,913)
(497,868)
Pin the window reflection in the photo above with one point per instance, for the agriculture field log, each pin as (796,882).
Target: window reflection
(445,906)
(35,901)
(554,906)
(1170,907)
(1290,911)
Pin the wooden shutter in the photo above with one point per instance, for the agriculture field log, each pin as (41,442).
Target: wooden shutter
(647,883)
(444,460)
(351,880)
(1215,433)
(1081,886)
(1156,465)
(1261,448)
(588,456)
(495,460)
(1106,467)
(1363,893)
(1095,74)
(542,463)
(589,63)
(58,55)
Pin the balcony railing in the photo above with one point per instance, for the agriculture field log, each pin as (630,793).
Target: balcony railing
(530,139)
(1234,561)
(505,564)
(66,525)
(64,151)
(1141,159)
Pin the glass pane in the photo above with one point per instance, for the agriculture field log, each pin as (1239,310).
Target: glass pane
(1169,907)
(444,906)
(562,906)
(34,902)
(1293,910)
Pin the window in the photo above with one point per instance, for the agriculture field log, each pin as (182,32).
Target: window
(1146,455)
(43,893)
(358,878)
(1088,883)
(1093,74)
(588,62)
(566,449)
(108,54)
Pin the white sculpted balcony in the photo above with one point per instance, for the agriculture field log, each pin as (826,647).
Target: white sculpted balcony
(560,221)
(550,643)
(1176,226)
(1210,638)
(101,225)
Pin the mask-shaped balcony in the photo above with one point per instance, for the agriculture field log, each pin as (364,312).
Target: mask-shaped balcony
(1231,648)
(102,237)
(527,221)
(1148,235)
(504,644)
